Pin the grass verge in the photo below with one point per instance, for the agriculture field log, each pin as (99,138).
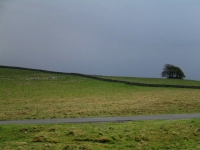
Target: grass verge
(181,134)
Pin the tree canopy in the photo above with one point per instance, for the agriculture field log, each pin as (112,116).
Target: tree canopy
(171,71)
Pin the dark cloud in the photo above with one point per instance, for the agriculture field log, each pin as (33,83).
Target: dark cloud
(129,38)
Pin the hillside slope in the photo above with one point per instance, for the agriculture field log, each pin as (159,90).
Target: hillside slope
(29,94)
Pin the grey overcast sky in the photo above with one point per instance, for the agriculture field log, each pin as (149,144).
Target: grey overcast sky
(105,37)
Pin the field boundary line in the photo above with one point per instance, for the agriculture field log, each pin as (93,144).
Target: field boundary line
(107,80)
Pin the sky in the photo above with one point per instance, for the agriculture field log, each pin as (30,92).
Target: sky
(133,38)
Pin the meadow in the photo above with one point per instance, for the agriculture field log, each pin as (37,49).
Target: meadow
(29,94)
(26,94)
(155,80)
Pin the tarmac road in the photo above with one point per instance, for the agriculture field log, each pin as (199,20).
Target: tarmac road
(103,119)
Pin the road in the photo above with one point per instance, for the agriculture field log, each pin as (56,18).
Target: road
(102,119)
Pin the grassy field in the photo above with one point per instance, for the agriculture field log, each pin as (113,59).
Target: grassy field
(155,80)
(141,135)
(30,94)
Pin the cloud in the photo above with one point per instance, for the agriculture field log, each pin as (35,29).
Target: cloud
(129,38)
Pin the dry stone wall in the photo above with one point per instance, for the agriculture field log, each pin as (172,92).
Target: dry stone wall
(108,80)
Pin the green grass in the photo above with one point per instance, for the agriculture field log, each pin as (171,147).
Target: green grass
(176,135)
(26,94)
(31,94)
(155,80)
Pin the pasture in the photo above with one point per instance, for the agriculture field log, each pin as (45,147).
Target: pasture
(155,80)
(29,94)
(26,94)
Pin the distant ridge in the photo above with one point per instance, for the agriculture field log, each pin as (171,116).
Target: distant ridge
(107,80)
(41,70)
